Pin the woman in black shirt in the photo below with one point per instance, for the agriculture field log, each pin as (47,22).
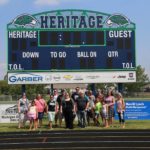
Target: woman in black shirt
(52,109)
(68,110)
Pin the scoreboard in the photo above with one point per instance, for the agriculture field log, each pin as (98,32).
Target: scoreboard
(71,40)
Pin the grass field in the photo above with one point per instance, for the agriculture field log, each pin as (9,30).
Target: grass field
(6,127)
(139,124)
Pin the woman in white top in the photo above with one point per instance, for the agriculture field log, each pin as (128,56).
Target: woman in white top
(121,109)
(32,115)
(105,114)
(22,110)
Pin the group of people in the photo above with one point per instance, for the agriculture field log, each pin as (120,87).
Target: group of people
(80,104)
(32,111)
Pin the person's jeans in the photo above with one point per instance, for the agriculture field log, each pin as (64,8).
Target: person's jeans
(121,116)
(81,118)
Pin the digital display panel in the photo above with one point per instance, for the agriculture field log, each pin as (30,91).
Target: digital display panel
(74,50)
(71,40)
(57,38)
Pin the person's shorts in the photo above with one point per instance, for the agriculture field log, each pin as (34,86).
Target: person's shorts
(104,115)
(96,115)
(111,112)
(40,115)
(51,116)
(31,116)
(90,114)
(21,117)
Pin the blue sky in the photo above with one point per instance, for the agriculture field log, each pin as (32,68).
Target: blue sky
(136,10)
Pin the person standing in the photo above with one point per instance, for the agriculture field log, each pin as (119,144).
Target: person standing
(81,107)
(55,94)
(104,113)
(59,114)
(90,109)
(52,110)
(90,95)
(41,105)
(75,95)
(100,96)
(23,104)
(32,115)
(98,107)
(121,109)
(68,109)
(110,101)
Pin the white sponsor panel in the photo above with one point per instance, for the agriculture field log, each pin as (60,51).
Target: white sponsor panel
(71,77)
(8,113)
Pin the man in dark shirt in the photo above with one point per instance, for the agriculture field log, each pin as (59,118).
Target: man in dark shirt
(75,95)
(81,106)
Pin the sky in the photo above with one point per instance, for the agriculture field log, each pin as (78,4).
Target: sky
(136,10)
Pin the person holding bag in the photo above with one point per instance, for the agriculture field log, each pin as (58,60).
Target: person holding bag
(23,104)
(41,107)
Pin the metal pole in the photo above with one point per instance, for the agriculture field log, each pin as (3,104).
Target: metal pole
(93,88)
(52,88)
(120,87)
(23,88)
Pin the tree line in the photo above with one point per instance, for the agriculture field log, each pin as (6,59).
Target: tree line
(5,89)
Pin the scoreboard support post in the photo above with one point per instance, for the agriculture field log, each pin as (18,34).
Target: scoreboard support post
(23,88)
(52,88)
(93,88)
(120,87)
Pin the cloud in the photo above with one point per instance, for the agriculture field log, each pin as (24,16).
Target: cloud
(3,2)
(47,2)
(52,2)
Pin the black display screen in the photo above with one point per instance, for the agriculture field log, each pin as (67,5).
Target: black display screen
(72,38)
(44,38)
(72,50)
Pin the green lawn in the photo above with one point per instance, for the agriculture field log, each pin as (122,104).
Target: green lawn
(6,127)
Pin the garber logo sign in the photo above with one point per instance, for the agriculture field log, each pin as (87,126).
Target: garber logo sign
(16,78)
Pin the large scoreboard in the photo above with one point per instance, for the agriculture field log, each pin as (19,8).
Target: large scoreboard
(71,41)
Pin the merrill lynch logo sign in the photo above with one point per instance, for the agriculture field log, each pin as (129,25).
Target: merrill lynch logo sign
(76,19)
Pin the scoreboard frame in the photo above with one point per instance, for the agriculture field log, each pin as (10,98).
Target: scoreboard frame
(105,22)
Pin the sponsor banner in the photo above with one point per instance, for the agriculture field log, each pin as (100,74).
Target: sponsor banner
(137,110)
(8,113)
(71,77)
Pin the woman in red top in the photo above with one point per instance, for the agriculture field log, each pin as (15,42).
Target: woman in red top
(110,101)
(41,105)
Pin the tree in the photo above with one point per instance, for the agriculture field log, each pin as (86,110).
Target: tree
(16,91)
(4,87)
(142,79)
(33,90)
